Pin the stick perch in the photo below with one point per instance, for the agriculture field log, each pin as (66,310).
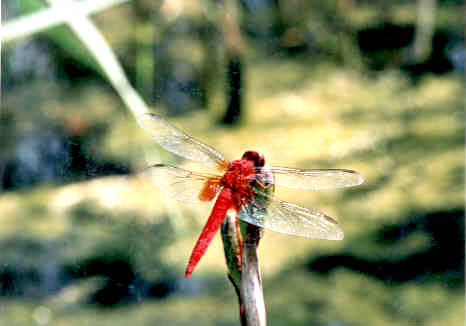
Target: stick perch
(240,245)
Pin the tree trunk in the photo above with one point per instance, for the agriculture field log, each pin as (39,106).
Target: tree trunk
(234,61)
(234,90)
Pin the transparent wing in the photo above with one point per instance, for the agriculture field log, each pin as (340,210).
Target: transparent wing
(177,142)
(280,216)
(315,178)
(183,185)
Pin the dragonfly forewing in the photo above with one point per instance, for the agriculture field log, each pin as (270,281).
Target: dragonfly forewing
(176,141)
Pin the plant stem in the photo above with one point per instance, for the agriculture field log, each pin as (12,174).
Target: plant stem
(232,248)
(251,282)
(240,241)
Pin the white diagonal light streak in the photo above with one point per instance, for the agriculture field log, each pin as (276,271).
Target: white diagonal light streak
(75,15)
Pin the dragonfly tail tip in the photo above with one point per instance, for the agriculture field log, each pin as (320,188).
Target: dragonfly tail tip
(188,272)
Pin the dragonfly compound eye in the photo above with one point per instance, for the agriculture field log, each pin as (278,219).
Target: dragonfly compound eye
(255,157)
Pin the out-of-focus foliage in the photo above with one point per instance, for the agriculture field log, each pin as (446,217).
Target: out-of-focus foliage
(314,98)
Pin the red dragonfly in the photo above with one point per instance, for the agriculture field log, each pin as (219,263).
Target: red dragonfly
(245,186)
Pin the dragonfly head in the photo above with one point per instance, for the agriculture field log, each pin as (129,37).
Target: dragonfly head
(255,157)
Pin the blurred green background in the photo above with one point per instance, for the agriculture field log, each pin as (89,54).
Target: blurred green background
(373,86)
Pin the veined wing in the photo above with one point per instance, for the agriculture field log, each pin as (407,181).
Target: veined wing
(177,142)
(183,185)
(315,179)
(280,216)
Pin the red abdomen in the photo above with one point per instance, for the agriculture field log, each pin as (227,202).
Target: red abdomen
(222,205)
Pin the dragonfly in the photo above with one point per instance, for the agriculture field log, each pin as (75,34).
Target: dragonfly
(244,186)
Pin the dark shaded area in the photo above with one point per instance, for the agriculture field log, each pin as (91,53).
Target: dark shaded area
(276,34)
(41,58)
(122,284)
(53,156)
(115,259)
(42,157)
(234,91)
(84,166)
(48,275)
(385,36)
(441,261)
(297,33)
(388,45)
(30,268)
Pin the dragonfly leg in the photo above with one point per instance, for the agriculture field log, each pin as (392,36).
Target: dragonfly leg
(260,184)
(260,206)
(240,243)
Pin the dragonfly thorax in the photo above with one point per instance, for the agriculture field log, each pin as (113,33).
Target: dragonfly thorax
(238,177)
(239,174)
